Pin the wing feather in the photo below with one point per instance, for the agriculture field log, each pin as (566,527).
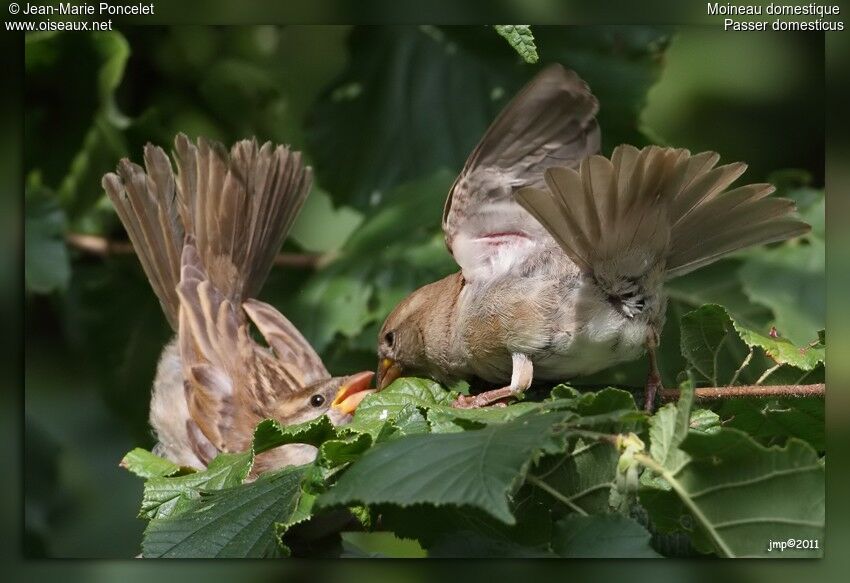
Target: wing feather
(551,122)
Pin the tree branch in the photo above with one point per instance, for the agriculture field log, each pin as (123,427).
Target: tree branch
(750,391)
(102,247)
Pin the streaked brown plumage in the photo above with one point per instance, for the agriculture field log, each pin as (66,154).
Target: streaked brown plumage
(563,253)
(206,239)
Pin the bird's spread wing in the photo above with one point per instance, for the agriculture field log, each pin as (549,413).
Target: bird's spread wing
(551,122)
(214,353)
(291,348)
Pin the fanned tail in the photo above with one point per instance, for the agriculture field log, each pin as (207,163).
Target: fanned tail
(656,207)
(145,201)
(238,206)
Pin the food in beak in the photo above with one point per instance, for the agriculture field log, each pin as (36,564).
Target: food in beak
(388,371)
(354,390)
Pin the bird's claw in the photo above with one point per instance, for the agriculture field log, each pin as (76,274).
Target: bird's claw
(481,400)
(467,402)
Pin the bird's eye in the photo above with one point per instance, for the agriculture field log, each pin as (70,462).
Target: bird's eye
(317,400)
(389,337)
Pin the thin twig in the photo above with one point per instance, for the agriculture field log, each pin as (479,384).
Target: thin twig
(554,493)
(102,247)
(750,391)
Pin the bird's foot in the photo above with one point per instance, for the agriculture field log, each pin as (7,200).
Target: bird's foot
(495,398)
(653,387)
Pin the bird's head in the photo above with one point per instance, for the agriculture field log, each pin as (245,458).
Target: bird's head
(338,397)
(401,341)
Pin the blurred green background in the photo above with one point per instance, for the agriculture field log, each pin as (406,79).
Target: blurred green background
(386,115)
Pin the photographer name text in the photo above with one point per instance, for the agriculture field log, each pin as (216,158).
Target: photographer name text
(89,9)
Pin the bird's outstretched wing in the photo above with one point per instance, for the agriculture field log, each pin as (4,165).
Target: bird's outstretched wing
(551,122)
(231,381)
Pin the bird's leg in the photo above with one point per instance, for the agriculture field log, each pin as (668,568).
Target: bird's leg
(653,379)
(521,375)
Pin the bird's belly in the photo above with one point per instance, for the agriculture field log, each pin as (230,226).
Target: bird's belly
(605,340)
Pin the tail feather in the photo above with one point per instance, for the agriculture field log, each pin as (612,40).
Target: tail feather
(238,206)
(145,202)
(656,206)
(241,205)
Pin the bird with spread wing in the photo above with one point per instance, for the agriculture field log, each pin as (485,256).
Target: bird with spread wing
(564,252)
(206,238)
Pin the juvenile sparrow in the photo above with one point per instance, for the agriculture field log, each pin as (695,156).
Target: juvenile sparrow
(206,239)
(564,253)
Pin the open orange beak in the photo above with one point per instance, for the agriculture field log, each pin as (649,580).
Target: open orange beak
(388,371)
(354,390)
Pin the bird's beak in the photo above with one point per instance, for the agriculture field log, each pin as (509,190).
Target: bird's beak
(354,390)
(388,371)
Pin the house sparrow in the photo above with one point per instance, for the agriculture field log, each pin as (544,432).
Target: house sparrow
(206,239)
(564,253)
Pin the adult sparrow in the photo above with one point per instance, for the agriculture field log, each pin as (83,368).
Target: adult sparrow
(206,238)
(563,253)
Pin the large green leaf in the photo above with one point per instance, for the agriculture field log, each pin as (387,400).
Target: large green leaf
(478,468)
(469,532)
(167,496)
(719,283)
(234,522)
(790,278)
(735,495)
(613,536)
(712,347)
(791,281)
(582,478)
(387,406)
(425,95)
(773,421)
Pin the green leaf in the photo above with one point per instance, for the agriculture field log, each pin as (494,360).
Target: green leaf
(388,406)
(736,495)
(710,344)
(668,429)
(719,283)
(321,228)
(475,468)
(270,433)
(171,496)
(380,544)
(47,265)
(610,536)
(468,532)
(378,409)
(235,522)
(584,476)
(791,281)
(773,421)
(705,420)
(783,351)
(519,36)
(147,465)
(463,77)
(790,278)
